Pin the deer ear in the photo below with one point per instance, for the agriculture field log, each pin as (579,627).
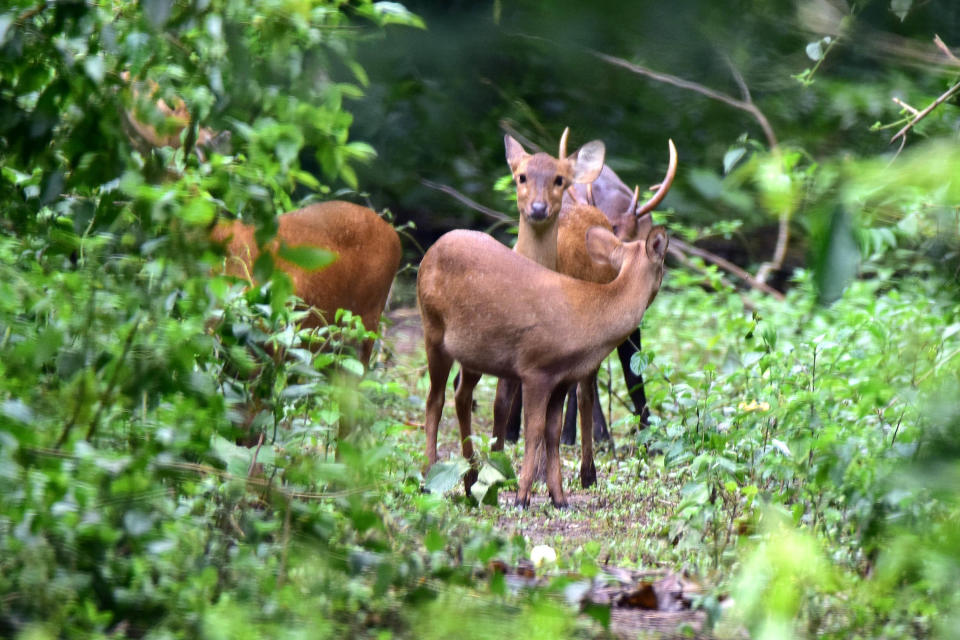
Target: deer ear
(515,152)
(589,161)
(657,243)
(604,248)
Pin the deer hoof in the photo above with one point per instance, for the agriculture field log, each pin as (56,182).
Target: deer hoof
(588,476)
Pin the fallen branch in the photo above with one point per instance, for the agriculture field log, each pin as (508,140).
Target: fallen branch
(946,50)
(728,266)
(690,264)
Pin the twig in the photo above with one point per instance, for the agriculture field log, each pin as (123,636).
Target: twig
(946,50)
(728,266)
(253,460)
(105,398)
(476,206)
(687,262)
(746,104)
(904,105)
(743,105)
(920,116)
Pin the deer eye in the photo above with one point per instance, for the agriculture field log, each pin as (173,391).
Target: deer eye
(522,178)
(558,181)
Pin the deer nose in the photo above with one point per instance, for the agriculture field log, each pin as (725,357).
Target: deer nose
(538,210)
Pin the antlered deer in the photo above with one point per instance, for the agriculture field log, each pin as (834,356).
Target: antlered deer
(367,257)
(497,312)
(629,221)
(557,242)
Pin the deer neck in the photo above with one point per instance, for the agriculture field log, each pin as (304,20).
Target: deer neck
(539,243)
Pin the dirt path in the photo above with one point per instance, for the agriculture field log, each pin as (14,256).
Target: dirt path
(622,516)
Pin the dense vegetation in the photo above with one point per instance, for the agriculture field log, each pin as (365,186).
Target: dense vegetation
(802,457)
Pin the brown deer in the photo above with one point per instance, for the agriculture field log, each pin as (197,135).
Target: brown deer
(172,121)
(499,313)
(541,182)
(559,243)
(367,257)
(629,221)
(367,247)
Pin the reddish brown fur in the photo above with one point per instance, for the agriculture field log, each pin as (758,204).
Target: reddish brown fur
(499,313)
(368,255)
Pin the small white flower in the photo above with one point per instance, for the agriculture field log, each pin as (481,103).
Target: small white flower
(542,554)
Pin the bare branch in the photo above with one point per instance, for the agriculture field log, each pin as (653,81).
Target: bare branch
(687,262)
(904,105)
(926,111)
(666,78)
(946,50)
(727,266)
(476,206)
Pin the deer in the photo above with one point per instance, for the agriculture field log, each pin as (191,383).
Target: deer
(497,312)
(359,279)
(629,221)
(367,248)
(145,136)
(558,243)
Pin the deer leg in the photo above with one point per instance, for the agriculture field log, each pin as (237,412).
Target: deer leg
(505,404)
(463,399)
(515,414)
(569,434)
(587,399)
(634,381)
(534,418)
(600,431)
(552,428)
(438,366)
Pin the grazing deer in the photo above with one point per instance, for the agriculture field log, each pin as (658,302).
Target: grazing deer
(367,257)
(367,248)
(499,313)
(558,243)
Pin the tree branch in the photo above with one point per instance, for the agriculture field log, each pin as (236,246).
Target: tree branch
(746,104)
(727,266)
(926,111)
(472,204)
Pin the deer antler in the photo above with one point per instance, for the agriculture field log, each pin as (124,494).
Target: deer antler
(664,186)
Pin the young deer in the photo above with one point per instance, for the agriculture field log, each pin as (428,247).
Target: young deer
(497,312)
(541,182)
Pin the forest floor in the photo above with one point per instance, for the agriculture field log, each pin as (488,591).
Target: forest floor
(622,521)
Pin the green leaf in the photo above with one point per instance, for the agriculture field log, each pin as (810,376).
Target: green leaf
(732,157)
(815,50)
(639,362)
(307,257)
(443,476)
(599,612)
(396,13)
(901,8)
(485,489)
(434,541)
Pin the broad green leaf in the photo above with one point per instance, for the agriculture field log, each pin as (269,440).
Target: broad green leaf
(307,257)
(443,476)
